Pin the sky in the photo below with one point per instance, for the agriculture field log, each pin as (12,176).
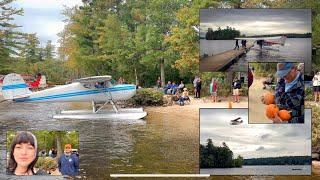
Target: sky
(255,140)
(257,21)
(43,17)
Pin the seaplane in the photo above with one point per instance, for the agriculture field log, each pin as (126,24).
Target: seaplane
(98,90)
(266,41)
(236,121)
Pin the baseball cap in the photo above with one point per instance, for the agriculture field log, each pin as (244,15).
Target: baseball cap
(67,146)
(284,68)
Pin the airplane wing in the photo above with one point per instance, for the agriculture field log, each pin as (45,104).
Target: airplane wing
(259,38)
(236,119)
(93,79)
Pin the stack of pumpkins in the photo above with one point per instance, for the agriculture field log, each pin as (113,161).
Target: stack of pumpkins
(272,109)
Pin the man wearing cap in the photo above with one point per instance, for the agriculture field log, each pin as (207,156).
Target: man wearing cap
(68,162)
(289,93)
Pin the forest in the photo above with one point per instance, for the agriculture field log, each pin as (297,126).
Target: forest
(228,33)
(136,40)
(285,160)
(212,156)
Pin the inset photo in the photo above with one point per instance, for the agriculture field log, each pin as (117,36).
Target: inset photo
(230,38)
(277,93)
(42,153)
(231,146)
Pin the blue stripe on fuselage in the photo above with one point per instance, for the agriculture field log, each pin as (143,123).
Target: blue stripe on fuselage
(80,93)
(14,86)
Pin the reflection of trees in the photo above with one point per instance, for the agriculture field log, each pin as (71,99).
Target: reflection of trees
(218,157)
(228,33)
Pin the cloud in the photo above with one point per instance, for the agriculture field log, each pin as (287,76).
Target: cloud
(255,140)
(257,21)
(43,17)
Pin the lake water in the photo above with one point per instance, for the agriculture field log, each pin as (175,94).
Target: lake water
(260,170)
(294,50)
(159,144)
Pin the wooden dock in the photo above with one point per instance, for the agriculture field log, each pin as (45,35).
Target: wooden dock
(222,61)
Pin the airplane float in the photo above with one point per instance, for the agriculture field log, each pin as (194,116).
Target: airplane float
(97,89)
(266,41)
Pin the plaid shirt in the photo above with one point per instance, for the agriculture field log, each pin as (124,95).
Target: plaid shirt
(293,100)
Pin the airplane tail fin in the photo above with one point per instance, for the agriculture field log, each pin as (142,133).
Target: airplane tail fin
(14,87)
(283,40)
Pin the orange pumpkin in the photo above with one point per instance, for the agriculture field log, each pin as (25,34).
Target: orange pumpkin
(284,115)
(268,98)
(271,109)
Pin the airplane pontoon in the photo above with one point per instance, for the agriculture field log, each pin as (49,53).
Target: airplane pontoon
(97,89)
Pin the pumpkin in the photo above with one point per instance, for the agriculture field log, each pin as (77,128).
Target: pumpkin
(284,115)
(268,98)
(271,109)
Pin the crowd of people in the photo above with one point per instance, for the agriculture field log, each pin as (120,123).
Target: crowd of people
(181,94)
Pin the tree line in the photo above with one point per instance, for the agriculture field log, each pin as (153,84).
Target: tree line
(218,156)
(222,34)
(284,160)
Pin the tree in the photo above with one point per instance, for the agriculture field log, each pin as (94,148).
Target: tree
(11,40)
(49,50)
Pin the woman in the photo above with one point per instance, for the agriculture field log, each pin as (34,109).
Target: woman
(214,90)
(184,97)
(23,155)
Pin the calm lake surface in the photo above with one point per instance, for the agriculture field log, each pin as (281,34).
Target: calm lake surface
(159,144)
(260,170)
(294,50)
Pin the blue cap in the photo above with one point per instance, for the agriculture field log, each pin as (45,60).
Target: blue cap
(284,68)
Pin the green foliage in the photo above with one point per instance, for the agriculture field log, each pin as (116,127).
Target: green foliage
(286,160)
(308,94)
(315,126)
(148,97)
(46,163)
(218,157)
(221,34)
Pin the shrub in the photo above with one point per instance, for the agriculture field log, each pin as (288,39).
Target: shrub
(308,94)
(148,97)
(46,163)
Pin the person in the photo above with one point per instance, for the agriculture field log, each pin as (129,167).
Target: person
(236,88)
(237,45)
(316,86)
(181,86)
(23,155)
(68,163)
(289,93)
(52,152)
(184,97)
(120,80)
(159,82)
(167,89)
(195,85)
(213,90)
(174,88)
(268,81)
(198,88)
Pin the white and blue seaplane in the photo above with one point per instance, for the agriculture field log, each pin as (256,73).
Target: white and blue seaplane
(97,89)
(268,42)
